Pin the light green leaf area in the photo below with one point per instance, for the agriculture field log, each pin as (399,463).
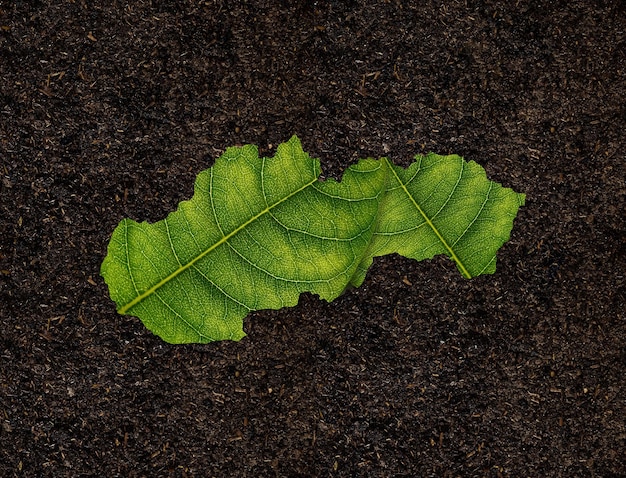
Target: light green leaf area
(443,205)
(260,231)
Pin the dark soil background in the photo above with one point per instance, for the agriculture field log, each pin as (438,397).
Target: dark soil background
(110,111)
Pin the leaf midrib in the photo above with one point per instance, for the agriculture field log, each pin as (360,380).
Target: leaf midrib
(214,246)
(430,223)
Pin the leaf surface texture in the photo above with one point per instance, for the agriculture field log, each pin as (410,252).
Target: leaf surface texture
(260,231)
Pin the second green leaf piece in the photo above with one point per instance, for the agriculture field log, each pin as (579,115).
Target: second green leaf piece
(260,231)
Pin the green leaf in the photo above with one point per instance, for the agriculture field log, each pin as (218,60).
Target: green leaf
(260,231)
(443,205)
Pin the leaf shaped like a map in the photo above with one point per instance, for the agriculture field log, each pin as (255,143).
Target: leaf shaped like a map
(260,231)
